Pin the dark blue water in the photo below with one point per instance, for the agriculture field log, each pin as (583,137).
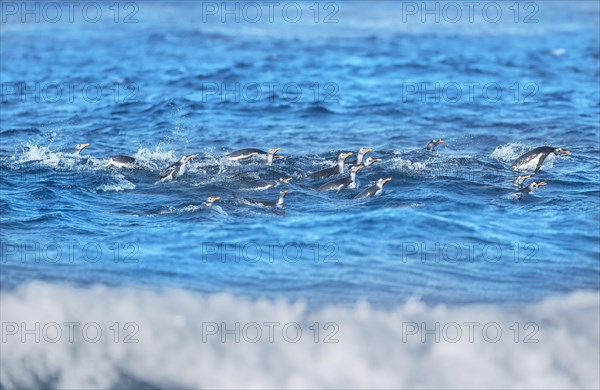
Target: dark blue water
(446,228)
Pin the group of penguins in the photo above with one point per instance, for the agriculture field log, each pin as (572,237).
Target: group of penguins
(530,161)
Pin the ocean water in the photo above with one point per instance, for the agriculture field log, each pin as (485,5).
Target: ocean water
(445,241)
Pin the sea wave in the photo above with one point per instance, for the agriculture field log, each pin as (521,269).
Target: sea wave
(177,338)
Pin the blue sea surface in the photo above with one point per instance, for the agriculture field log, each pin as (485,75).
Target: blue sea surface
(445,229)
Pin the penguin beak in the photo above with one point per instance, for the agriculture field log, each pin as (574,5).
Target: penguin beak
(84,145)
(377,159)
(284,192)
(440,141)
(387,179)
(215,198)
(287,180)
(359,167)
(276,149)
(366,150)
(525,177)
(191,156)
(278,156)
(348,154)
(565,151)
(541,183)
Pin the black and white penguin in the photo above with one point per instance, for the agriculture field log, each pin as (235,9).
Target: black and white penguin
(244,154)
(534,159)
(433,143)
(373,190)
(345,182)
(359,156)
(336,170)
(176,169)
(268,203)
(530,189)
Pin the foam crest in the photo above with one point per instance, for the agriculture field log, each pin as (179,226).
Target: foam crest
(119,184)
(508,152)
(175,348)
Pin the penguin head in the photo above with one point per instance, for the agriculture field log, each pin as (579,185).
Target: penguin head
(80,147)
(381,182)
(283,193)
(433,143)
(534,186)
(286,180)
(371,160)
(344,155)
(364,151)
(561,151)
(356,168)
(211,199)
(273,150)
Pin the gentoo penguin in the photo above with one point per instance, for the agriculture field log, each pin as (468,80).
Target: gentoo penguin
(176,169)
(534,159)
(120,161)
(79,148)
(530,189)
(265,184)
(373,190)
(519,180)
(345,182)
(359,156)
(268,203)
(210,200)
(244,154)
(336,170)
(433,143)
(371,160)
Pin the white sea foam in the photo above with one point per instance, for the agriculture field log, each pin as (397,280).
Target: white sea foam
(119,184)
(374,348)
(155,159)
(404,164)
(509,152)
(45,156)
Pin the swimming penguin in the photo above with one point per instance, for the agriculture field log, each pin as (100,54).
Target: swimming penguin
(359,156)
(338,169)
(268,203)
(371,160)
(266,184)
(244,154)
(79,148)
(345,182)
(534,159)
(373,190)
(433,143)
(120,161)
(176,169)
(530,189)
(519,180)
(210,200)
